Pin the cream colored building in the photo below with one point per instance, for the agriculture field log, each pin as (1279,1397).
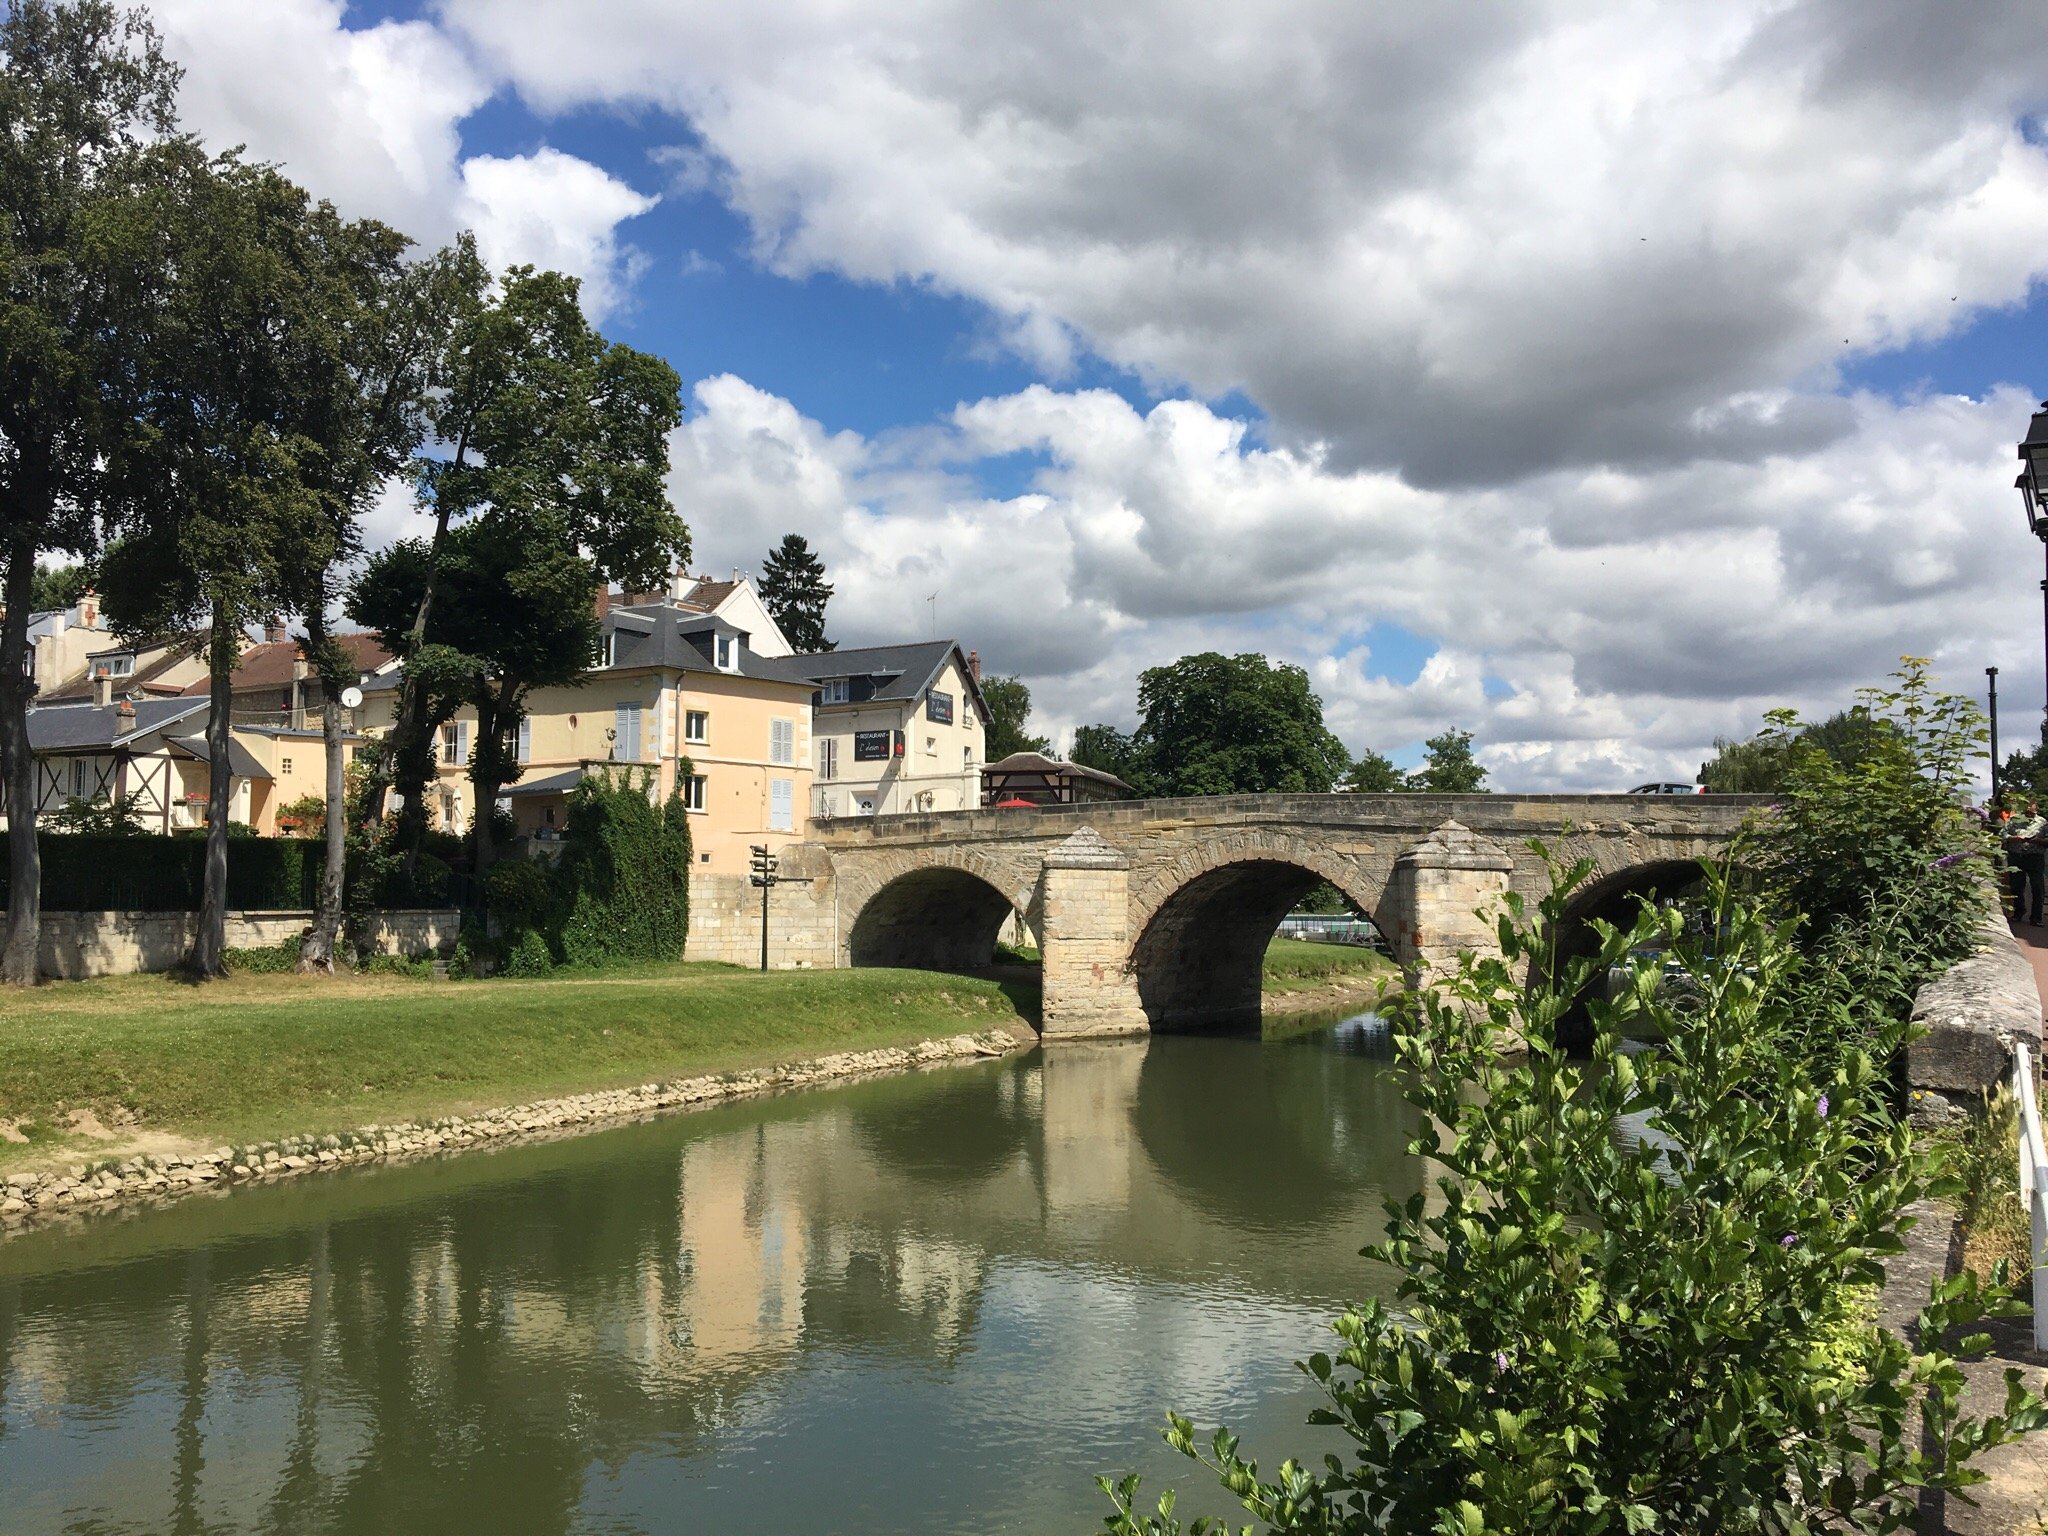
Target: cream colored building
(898,728)
(682,693)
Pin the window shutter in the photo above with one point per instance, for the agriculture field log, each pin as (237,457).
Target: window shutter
(525,748)
(461,741)
(781,805)
(626,722)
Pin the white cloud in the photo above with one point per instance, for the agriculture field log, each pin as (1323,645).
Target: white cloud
(370,119)
(1585,651)
(1462,241)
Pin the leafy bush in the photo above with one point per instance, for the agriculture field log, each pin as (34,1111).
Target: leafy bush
(303,817)
(279,959)
(98,817)
(1601,1338)
(152,873)
(520,896)
(528,955)
(414,967)
(625,873)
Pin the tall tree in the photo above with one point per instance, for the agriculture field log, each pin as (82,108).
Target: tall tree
(515,615)
(83,87)
(795,592)
(58,586)
(1225,725)
(1111,750)
(536,418)
(1009,709)
(1758,766)
(1449,768)
(239,401)
(389,317)
(1374,774)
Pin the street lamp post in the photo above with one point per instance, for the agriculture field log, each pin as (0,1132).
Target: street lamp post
(2033,489)
(1991,678)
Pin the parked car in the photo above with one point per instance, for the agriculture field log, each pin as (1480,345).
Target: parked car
(1668,788)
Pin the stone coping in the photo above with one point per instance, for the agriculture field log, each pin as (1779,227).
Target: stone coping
(1972,1013)
(36,1198)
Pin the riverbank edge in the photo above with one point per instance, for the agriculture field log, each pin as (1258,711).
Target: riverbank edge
(32,1199)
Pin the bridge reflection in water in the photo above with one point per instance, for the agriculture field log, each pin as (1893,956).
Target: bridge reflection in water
(927,1302)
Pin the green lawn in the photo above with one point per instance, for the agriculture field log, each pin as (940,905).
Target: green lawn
(257,1056)
(1295,965)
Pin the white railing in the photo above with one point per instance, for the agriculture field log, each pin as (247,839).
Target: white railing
(2033,1182)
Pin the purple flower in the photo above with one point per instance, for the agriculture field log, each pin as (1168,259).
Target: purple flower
(1822,1106)
(1500,1363)
(1948,861)
(1787,1240)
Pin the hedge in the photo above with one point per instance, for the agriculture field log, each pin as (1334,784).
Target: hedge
(147,873)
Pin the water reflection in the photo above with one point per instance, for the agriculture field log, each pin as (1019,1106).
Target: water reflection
(766,1317)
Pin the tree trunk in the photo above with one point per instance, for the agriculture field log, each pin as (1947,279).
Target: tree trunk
(411,753)
(18,774)
(209,945)
(487,769)
(316,953)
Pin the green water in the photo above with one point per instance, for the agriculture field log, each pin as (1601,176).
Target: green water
(937,1302)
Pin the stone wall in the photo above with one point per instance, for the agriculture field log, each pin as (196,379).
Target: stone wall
(76,945)
(1972,1012)
(725,916)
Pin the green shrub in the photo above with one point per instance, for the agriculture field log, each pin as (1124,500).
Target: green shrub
(520,896)
(416,967)
(279,959)
(476,952)
(1598,1338)
(153,873)
(625,873)
(528,955)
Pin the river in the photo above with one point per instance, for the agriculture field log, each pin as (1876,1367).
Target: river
(934,1302)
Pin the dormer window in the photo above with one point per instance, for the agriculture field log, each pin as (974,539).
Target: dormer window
(835,690)
(119,666)
(608,652)
(727,657)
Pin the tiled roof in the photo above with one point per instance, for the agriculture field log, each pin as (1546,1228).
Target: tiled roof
(143,679)
(269,665)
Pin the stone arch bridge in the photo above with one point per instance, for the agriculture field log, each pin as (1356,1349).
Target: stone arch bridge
(1156,913)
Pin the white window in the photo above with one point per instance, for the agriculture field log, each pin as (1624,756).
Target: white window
(834,690)
(455,743)
(725,653)
(522,748)
(626,728)
(120,666)
(782,805)
(609,648)
(782,742)
(931,746)
(693,792)
(697,726)
(828,758)
(77,779)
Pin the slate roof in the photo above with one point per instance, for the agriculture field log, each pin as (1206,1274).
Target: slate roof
(143,677)
(910,669)
(84,727)
(241,763)
(659,635)
(269,665)
(553,784)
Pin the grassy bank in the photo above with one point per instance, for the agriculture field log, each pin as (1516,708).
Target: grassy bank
(1294,965)
(255,1056)
(150,1058)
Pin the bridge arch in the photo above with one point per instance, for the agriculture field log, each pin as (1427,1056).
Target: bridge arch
(937,914)
(1203,925)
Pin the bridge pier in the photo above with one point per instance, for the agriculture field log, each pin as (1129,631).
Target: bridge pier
(1442,898)
(1087,938)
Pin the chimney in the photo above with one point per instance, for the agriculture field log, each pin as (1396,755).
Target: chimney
(89,609)
(601,599)
(974,667)
(125,711)
(679,585)
(299,668)
(102,687)
(273,630)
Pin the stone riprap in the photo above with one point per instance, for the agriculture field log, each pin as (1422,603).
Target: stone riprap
(27,1198)
(1972,1014)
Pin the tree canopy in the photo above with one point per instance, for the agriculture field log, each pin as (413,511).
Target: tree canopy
(795,592)
(1009,709)
(1222,725)
(1109,749)
(1759,765)
(1449,768)
(1374,774)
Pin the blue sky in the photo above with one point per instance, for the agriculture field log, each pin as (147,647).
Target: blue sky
(1591,382)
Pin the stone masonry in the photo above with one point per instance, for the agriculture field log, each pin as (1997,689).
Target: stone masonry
(1156,912)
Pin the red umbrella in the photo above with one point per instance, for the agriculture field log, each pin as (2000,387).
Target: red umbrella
(1014,804)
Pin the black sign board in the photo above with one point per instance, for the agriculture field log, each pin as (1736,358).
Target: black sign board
(939,706)
(870,746)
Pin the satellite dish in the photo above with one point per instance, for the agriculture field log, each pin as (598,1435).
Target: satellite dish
(351,698)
